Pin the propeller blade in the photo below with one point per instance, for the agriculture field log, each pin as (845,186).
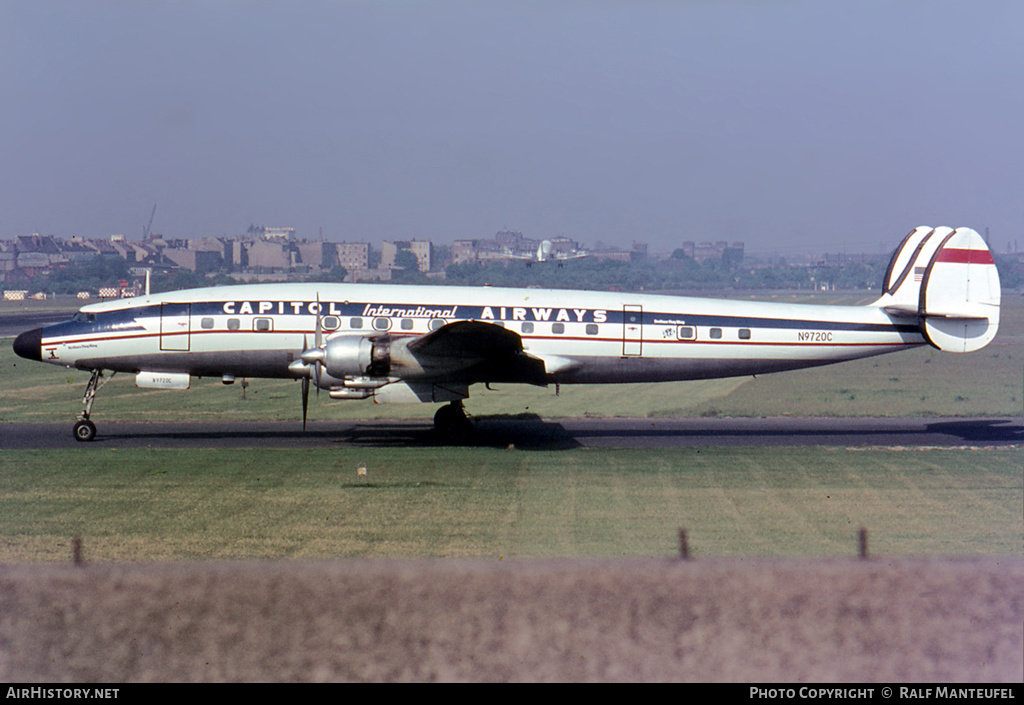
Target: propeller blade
(318,340)
(305,400)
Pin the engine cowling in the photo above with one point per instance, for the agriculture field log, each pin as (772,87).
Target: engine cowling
(357,356)
(349,356)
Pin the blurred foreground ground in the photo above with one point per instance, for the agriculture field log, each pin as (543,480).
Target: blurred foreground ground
(874,620)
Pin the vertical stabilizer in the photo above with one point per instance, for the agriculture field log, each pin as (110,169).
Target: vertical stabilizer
(947,279)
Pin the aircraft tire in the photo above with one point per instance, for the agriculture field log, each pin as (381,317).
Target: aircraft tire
(85,430)
(461,431)
(443,419)
(452,426)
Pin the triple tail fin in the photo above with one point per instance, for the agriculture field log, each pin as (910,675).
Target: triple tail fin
(947,279)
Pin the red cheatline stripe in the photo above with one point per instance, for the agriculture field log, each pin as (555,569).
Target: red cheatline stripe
(965,256)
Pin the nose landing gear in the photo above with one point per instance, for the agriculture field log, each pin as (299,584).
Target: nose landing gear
(85,430)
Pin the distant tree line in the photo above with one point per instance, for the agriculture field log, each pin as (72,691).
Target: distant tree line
(678,272)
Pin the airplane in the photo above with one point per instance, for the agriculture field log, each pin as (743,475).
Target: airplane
(411,343)
(544,253)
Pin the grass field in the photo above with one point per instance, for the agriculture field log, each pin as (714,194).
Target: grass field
(167,505)
(164,505)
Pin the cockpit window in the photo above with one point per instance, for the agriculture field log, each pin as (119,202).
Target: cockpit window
(82,317)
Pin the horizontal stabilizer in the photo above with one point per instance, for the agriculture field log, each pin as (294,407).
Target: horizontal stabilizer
(966,314)
(946,278)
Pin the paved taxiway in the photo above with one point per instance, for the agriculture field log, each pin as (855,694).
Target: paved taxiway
(538,434)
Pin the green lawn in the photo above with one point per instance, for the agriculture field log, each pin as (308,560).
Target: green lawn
(166,505)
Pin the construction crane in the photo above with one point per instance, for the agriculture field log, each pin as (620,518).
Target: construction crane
(145,231)
(145,236)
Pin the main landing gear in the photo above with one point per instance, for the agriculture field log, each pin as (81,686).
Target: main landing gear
(451,423)
(85,430)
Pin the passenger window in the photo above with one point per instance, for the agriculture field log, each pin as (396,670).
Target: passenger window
(591,329)
(406,324)
(744,334)
(356,323)
(716,333)
(381,323)
(330,323)
(436,323)
(263,324)
(686,332)
(557,328)
(206,323)
(234,324)
(528,327)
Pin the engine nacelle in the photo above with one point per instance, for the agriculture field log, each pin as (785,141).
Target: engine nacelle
(357,356)
(348,356)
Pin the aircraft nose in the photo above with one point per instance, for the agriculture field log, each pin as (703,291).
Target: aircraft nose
(29,344)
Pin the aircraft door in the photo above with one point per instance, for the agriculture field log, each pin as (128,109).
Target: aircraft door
(175,329)
(632,330)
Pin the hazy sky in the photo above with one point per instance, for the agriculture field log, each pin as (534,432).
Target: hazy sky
(795,126)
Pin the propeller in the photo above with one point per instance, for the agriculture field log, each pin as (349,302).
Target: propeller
(312,356)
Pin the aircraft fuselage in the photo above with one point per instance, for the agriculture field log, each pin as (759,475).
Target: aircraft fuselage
(582,337)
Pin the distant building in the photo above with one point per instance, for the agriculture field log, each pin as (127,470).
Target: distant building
(709,250)
(268,233)
(613,254)
(269,255)
(420,248)
(463,251)
(315,255)
(353,255)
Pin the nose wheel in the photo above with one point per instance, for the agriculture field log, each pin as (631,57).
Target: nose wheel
(85,430)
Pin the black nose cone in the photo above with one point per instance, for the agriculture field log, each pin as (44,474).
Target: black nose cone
(29,344)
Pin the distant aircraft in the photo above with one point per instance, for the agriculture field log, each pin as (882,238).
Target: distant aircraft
(395,343)
(544,254)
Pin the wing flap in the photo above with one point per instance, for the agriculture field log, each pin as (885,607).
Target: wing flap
(467,339)
(478,352)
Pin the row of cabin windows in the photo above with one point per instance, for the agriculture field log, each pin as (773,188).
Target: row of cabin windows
(556,328)
(327,323)
(381,323)
(690,333)
(559,328)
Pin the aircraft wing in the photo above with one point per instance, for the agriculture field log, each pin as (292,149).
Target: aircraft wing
(483,352)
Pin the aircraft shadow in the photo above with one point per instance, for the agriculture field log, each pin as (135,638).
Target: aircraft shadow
(980,430)
(530,432)
(811,431)
(534,433)
(522,432)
